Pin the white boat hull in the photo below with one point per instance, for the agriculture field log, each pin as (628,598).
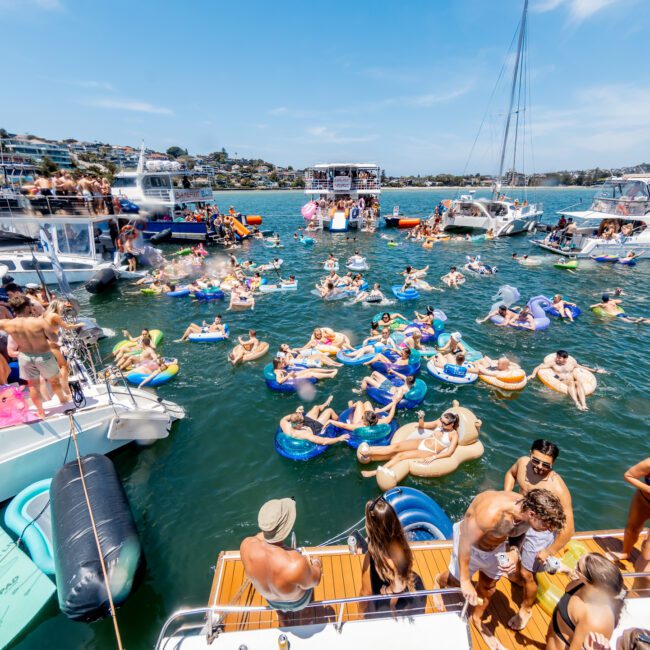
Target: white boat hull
(500,227)
(35,451)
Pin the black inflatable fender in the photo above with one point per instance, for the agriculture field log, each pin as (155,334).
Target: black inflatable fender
(80,584)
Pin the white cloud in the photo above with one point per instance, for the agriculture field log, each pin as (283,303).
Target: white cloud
(133,105)
(323,134)
(579,10)
(280,110)
(21,5)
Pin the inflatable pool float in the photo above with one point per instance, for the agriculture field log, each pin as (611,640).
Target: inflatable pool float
(242,303)
(80,583)
(506,295)
(289,386)
(378,434)
(411,369)
(627,261)
(182,252)
(471,354)
(469,448)
(409,294)
(396,324)
(411,400)
(551,311)
(599,311)
(537,307)
(28,516)
(606,258)
(421,517)
(210,294)
(256,354)
(299,449)
(307,241)
(359,264)
(331,266)
(484,270)
(136,378)
(179,293)
(309,209)
(552,381)
(513,379)
(549,594)
(453,374)
(147,291)
(272,288)
(570,264)
(209,337)
(344,358)
(155,335)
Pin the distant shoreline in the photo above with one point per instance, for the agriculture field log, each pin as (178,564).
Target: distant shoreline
(415,189)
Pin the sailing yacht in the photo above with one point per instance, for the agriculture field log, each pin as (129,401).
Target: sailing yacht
(501,214)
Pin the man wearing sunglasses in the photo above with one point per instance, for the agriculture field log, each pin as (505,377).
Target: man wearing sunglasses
(535,547)
(284,576)
(481,545)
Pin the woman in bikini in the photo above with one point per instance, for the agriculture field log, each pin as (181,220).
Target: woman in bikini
(441,443)
(591,604)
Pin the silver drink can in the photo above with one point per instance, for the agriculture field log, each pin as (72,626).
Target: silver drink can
(502,559)
(552,565)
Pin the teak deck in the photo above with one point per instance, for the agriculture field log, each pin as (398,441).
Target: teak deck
(342,579)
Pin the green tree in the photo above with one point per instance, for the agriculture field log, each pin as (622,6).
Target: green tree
(47,167)
(176,151)
(3,133)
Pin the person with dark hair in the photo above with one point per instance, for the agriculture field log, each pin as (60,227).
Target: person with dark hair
(566,369)
(591,604)
(535,547)
(481,545)
(633,638)
(388,563)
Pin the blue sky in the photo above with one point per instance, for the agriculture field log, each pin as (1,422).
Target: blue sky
(403,84)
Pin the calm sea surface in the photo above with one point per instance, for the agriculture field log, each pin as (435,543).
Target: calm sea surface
(198,491)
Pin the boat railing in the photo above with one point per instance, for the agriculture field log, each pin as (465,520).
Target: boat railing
(357,184)
(39,205)
(211,621)
(160,193)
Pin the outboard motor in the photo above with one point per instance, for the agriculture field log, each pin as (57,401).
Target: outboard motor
(101,281)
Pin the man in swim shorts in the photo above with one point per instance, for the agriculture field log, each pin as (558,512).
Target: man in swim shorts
(535,547)
(283,576)
(565,368)
(502,311)
(481,544)
(612,307)
(33,338)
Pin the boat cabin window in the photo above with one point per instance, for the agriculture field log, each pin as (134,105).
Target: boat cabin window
(156,181)
(28,265)
(128,181)
(8,263)
(72,238)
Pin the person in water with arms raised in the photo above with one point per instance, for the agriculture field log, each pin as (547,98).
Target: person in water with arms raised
(481,544)
(282,575)
(536,547)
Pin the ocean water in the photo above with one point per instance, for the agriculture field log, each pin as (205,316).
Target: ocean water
(198,492)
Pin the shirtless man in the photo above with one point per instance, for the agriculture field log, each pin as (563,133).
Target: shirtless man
(490,367)
(216,327)
(453,278)
(33,338)
(612,307)
(535,547)
(309,426)
(501,310)
(283,576)
(565,367)
(481,544)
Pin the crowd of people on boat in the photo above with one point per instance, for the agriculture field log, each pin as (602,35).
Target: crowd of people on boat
(517,533)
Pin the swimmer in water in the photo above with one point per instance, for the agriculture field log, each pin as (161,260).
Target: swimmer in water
(562,307)
(216,327)
(454,278)
(612,307)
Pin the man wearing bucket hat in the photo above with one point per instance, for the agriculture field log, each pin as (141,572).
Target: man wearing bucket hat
(285,577)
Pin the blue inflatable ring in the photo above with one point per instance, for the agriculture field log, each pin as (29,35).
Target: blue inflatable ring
(409,294)
(179,293)
(210,294)
(412,369)
(377,435)
(421,517)
(137,378)
(411,400)
(298,449)
(288,386)
(342,356)
(209,337)
(574,309)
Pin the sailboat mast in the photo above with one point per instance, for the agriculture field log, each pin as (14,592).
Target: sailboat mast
(515,76)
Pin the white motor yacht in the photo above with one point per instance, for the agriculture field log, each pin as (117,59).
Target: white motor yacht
(615,224)
(105,417)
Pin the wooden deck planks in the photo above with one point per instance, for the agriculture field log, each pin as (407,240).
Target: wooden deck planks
(342,579)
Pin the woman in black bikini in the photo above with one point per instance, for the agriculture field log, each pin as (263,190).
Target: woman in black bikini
(591,604)
(388,564)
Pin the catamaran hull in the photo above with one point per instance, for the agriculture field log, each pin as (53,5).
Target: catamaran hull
(32,452)
(499,227)
(598,249)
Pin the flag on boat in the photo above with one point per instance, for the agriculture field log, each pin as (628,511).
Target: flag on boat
(56,265)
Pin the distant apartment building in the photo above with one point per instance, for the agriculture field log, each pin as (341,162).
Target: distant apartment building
(513,178)
(36,150)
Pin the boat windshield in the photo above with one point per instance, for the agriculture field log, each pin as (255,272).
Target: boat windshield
(626,197)
(71,238)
